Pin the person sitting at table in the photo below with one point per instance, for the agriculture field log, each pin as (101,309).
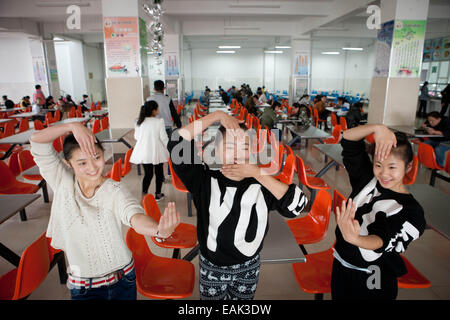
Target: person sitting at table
(354,116)
(232,204)
(380,219)
(85,103)
(305,100)
(150,149)
(39,114)
(49,103)
(25,102)
(204,98)
(439,125)
(251,104)
(343,107)
(270,117)
(87,214)
(320,106)
(69,101)
(224,96)
(262,99)
(9,104)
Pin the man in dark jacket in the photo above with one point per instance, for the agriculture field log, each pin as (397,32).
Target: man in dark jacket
(9,104)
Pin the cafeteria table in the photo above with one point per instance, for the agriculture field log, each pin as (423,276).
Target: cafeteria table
(16,139)
(71,120)
(309,133)
(279,244)
(98,113)
(435,204)
(114,136)
(11,204)
(334,151)
(4,120)
(10,110)
(412,132)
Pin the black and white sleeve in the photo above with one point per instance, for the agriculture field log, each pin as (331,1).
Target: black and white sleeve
(291,204)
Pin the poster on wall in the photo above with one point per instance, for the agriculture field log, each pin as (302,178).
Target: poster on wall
(40,74)
(428,50)
(171,65)
(121,46)
(407,48)
(301,64)
(445,49)
(383,49)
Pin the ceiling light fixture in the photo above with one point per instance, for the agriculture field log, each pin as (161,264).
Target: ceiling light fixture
(353,49)
(273,51)
(330,52)
(229,47)
(282,47)
(225,51)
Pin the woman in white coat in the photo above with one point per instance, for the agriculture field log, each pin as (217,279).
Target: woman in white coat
(151,147)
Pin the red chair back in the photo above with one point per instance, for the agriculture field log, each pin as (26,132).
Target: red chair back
(96,126)
(57,115)
(151,207)
(24,125)
(337,200)
(427,157)
(126,164)
(334,120)
(176,180)
(6,177)
(13,163)
(104,123)
(72,112)
(38,125)
(57,145)
(26,160)
(116,171)
(321,210)
(287,174)
(9,129)
(343,123)
(410,177)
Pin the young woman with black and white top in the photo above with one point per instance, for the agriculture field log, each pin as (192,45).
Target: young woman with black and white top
(380,219)
(232,206)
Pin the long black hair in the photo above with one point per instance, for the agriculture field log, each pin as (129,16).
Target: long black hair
(147,111)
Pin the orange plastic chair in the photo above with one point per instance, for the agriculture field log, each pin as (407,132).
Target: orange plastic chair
(104,124)
(26,161)
(287,174)
(178,185)
(336,135)
(184,236)
(334,120)
(24,125)
(343,123)
(48,119)
(72,112)
(314,276)
(13,163)
(33,268)
(96,127)
(337,200)
(78,114)
(126,163)
(413,279)
(277,159)
(38,125)
(9,184)
(317,119)
(116,171)
(411,176)
(439,174)
(57,145)
(312,183)
(427,158)
(57,115)
(159,277)
(313,227)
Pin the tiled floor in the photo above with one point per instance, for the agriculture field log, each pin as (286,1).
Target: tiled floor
(430,254)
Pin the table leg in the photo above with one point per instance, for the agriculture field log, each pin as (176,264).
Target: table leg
(192,254)
(23,215)
(176,254)
(43,185)
(326,168)
(294,140)
(9,255)
(60,260)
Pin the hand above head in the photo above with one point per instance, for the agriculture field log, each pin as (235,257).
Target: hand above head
(169,221)
(385,140)
(85,138)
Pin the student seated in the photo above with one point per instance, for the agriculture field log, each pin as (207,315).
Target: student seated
(439,125)
(232,204)
(37,109)
(380,219)
(25,103)
(204,98)
(320,106)
(9,104)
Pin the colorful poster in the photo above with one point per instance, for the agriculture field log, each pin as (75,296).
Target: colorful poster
(121,46)
(428,50)
(40,75)
(445,49)
(407,48)
(171,65)
(383,53)
(301,64)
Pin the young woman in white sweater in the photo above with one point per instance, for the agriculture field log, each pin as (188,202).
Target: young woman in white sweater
(87,214)
(151,147)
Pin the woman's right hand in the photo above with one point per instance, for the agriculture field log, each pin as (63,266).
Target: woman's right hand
(85,138)
(385,140)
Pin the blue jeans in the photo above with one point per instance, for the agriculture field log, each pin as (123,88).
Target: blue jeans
(124,289)
(439,150)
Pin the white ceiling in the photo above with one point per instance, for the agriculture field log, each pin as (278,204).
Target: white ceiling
(204,22)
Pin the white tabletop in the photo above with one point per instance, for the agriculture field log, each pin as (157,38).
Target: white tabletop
(9,110)
(13,203)
(310,133)
(24,115)
(19,138)
(71,120)
(413,132)
(5,120)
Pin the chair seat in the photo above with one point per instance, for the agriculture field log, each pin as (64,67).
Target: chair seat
(413,279)
(317,183)
(184,236)
(20,188)
(164,278)
(305,230)
(314,276)
(8,284)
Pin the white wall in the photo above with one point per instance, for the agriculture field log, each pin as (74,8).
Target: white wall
(16,75)
(70,64)
(250,66)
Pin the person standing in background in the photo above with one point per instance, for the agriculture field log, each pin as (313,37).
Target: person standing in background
(423,100)
(38,93)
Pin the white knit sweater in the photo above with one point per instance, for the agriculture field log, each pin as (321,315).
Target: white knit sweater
(89,230)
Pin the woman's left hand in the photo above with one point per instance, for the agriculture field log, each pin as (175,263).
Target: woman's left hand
(245,170)
(347,223)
